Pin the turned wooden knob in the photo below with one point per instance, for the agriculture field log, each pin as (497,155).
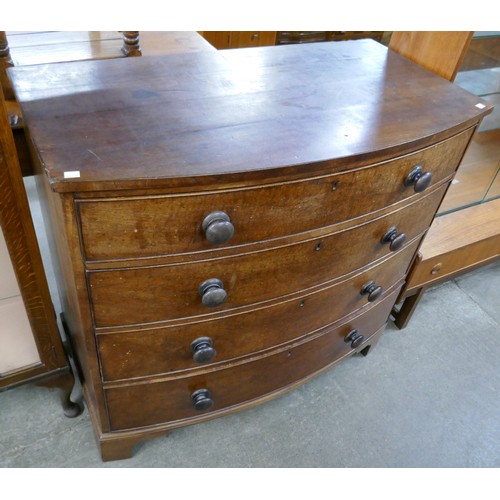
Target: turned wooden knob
(395,240)
(354,338)
(202,350)
(436,268)
(218,228)
(212,293)
(419,179)
(202,399)
(372,290)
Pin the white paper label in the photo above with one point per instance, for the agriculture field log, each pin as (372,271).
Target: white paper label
(480,105)
(72,174)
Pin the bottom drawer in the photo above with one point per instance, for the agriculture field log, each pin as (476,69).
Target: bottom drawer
(237,384)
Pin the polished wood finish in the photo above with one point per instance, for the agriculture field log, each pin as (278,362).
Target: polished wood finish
(169,399)
(238,39)
(180,154)
(286,37)
(4,49)
(439,51)
(5,62)
(317,142)
(149,226)
(44,47)
(57,46)
(480,221)
(158,293)
(20,237)
(131,44)
(133,352)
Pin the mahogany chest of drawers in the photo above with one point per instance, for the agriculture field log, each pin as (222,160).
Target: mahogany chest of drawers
(228,225)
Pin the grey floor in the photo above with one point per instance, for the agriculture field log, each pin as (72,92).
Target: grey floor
(426,396)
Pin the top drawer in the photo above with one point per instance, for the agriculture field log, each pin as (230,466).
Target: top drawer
(135,227)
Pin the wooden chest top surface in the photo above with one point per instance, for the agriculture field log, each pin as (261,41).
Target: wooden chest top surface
(187,119)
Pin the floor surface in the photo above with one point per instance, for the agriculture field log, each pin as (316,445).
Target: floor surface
(426,396)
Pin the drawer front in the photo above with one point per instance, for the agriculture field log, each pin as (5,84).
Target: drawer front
(162,350)
(458,260)
(145,227)
(150,294)
(155,402)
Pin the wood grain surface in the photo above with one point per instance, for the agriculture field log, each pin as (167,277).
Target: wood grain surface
(146,352)
(133,148)
(125,228)
(169,400)
(20,237)
(185,119)
(159,293)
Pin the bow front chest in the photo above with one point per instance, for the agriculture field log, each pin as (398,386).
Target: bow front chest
(228,225)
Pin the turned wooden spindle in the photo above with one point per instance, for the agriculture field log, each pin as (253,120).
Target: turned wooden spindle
(131,45)
(5,62)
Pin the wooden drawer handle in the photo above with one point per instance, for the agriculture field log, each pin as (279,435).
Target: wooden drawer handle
(395,240)
(218,228)
(372,290)
(202,350)
(202,399)
(354,338)
(419,179)
(212,293)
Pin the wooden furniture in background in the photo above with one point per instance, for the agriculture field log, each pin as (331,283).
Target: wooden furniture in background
(237,241)
(455,244)
(131,44)
(41,47)
(238,39)
(469,236)
(32,352)
(285,37)
(439,51)
(5,62)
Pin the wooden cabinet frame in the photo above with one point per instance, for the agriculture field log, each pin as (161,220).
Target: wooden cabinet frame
(15,220)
